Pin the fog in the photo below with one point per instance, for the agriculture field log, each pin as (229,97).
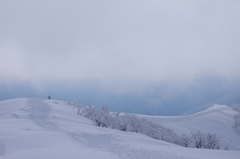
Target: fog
(105,50)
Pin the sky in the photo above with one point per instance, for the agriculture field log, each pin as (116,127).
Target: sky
(138,56)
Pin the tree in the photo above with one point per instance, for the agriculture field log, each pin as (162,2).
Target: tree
(208,140)
(123,121)
(198,139)
(132,123)
(212,141)
(185,140)
(105,117)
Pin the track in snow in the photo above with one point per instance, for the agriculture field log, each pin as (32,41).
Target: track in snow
(40,114)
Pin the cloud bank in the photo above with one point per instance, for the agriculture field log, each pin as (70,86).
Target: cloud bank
(121,46)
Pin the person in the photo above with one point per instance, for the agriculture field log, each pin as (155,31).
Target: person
(49,97)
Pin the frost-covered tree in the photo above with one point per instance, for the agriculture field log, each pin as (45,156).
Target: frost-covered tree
(185,140)
(123,122)
(212,141)
(91,113)
(114,123)
(105,116)
(198,139)
(148,128)
(132,123)
(206,140)
(170,136)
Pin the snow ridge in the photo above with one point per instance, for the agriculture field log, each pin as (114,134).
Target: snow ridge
(46,129)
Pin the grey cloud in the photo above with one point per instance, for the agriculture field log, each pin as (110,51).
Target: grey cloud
(123,47)
(112,40)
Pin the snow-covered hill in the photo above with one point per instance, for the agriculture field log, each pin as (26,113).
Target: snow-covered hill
(36,128)
(218,119)
(227,99)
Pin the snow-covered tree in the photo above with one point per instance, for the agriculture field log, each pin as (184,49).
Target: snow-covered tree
(132,123)
(124,120)
(105,116)
(148,128)
(170,135)
(185,140)
(212,141)
(206,140)
(198,139)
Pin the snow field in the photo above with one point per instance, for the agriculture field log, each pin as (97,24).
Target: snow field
(35,128)
(218,119)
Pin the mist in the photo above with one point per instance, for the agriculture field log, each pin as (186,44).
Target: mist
(140,56)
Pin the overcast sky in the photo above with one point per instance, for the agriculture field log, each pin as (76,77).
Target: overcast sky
(120,45)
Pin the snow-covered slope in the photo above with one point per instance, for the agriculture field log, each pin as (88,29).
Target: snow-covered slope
(36,128)
(218,119)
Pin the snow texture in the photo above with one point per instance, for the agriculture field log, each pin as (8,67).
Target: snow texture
(42,129)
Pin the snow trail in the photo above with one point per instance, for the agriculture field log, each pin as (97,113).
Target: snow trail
(40,114)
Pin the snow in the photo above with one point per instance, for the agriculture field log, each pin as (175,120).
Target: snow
(218,119)
(46,129)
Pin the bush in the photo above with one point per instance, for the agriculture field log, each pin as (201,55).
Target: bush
(206,140)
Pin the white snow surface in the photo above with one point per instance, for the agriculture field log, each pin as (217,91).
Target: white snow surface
(218,119)
(50,129)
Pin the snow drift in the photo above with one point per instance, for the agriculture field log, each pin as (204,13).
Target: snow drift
(36,128)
